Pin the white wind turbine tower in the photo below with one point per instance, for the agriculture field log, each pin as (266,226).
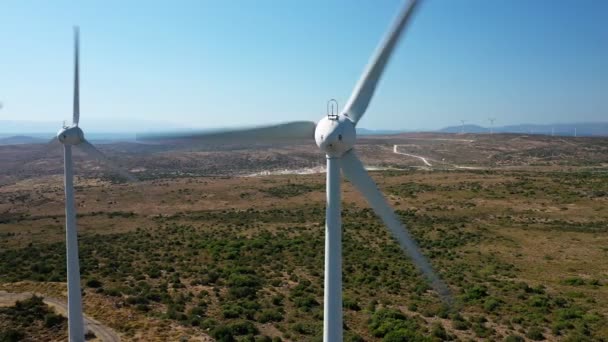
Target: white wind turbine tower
(335,135)
(462,126)
(74,136)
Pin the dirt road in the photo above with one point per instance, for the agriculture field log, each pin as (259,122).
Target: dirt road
(424,160)
(102,332)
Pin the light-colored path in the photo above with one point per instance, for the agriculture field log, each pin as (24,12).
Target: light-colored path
(424,160)
(102,332)
(440,139)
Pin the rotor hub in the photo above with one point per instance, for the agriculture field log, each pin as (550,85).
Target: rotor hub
(335,135)
(72,135)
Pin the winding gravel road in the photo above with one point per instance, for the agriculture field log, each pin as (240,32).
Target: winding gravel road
(424,160)
(102,332)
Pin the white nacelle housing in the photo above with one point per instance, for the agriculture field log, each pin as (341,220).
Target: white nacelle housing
(335,135)
(70,135)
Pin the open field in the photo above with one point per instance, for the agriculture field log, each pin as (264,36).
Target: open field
(521,241)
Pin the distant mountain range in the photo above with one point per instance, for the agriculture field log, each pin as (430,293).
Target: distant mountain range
(31,132)
(365,131)
(120,126)
(564,129)
(21,139)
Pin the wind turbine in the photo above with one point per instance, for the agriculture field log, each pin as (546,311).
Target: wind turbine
(491,125)
(462,126)
(73,136)
(335,135)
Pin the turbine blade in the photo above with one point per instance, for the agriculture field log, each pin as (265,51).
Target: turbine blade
(76,115)
(353,170)
(286,131)
(364,90)
(94,153)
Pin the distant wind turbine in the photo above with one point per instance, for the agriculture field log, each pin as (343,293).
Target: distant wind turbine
(462,127)
(491,125)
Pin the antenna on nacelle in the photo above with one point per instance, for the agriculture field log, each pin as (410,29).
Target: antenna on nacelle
(332,109)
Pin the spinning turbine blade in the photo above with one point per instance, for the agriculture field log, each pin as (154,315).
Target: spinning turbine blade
(286,131)
(46,149)
(76,115)
(353,170)
(364,90)
(94,153)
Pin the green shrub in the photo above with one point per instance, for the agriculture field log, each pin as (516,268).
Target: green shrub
(222,333)
(94,283)
(460,325)
(574,281)
(351,304)
(270,315)
(393,325)
(438,331)
(535,334)
(475,293)
(243,285)
(11,335)
(514,338)
(52,320)
(242,328)
(491,304)
(305,302)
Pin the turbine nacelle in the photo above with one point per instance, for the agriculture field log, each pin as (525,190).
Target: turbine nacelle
(335,135)
(71,135)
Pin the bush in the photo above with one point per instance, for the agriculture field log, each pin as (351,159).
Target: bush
(208,324)
(243,285)
(491,304)
(243,328)
(535,334)
(227,333)
(52,320)
(402,335)
(481,330)
(438,331)
(393,325)
(270,315)
(460,325)
(305,302)
(94,283)
(222,334)
(574,281)
(351,304)
(514,338)
(476,292)
(11,335)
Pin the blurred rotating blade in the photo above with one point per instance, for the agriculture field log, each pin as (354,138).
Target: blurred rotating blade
(364,90)
(48,148)
(355,172)
(94,153)
(76,115)
(297,130)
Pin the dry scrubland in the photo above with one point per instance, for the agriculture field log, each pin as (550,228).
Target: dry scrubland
(522,242)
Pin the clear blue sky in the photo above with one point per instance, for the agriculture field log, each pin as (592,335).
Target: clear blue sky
(224,63)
